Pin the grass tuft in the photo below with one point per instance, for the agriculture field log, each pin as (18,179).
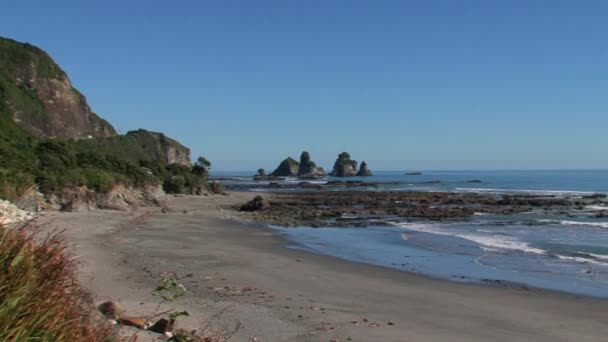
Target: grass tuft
(40,296)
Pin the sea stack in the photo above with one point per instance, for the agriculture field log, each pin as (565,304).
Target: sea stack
(344,166)
(288,168)
(364,171)
(308,168)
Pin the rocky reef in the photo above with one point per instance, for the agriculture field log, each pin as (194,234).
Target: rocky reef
(367,208)
(262,176)
(308,168)
(289,167)
(344,166)
(364,171)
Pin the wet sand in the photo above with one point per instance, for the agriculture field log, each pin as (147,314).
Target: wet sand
(244,281)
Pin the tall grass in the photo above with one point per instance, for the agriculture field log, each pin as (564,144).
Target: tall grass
(40,297)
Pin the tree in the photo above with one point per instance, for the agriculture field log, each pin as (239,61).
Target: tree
(203,162)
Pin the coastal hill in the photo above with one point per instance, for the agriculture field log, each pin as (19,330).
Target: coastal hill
(50,137)
(38,95)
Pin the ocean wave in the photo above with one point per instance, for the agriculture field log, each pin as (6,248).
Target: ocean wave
(529,191)
(582,260)
(596,207)
(486,242)
(590,224)
(576,223)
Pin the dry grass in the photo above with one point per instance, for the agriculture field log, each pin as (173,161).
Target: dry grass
(40,297)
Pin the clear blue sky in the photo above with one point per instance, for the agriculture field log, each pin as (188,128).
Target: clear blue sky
(399,84)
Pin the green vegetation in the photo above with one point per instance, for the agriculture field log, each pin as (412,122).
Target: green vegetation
(19,64)
(40,297)
(16,56)
(99,164)
(137,159)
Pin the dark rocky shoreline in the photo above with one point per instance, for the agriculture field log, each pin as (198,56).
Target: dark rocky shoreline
(365,208)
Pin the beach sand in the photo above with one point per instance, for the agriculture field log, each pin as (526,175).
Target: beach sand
(242,281)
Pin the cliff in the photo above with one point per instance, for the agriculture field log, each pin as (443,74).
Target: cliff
(38,95)
(49,136)
(139,145)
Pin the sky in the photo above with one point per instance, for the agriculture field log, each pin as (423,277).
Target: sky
(403,85)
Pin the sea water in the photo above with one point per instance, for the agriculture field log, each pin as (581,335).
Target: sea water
(566,251)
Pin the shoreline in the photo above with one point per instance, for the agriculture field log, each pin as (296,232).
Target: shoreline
(300,295)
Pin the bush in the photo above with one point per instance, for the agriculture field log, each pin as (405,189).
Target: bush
(40,297)
(174,184)
(99,180)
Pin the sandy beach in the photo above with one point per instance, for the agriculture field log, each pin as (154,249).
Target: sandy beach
(244,282)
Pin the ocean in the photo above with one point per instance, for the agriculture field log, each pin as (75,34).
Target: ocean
(564,251)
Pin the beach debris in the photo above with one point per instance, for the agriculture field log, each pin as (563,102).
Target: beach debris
(110,310)
(162,326)
(390,323)
(138,322)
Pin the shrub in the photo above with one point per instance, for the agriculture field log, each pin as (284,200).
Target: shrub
(40,297)
(174,184)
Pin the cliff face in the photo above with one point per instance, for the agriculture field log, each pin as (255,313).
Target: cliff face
(39,96)
(158,146)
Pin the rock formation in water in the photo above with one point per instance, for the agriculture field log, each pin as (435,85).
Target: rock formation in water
(262,176)
(344,166)
(288,168)
(308,169)
(364,171)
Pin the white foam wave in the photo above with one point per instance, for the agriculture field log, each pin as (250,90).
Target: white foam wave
(591,224)
(596,207)
(486,242)
(581,260)
(532,191)
(577,223)
(599,256)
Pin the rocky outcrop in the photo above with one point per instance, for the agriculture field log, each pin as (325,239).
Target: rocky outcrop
(256,204)
(344,166)
(158,146)
(10,213)
(288,168)
(40,98)
(262,176)
(308,169)
(119,198)
(364,171)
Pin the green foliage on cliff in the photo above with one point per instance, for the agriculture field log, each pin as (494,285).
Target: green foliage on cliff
(16,56)
(19,64)
(136,159)
(135,146)
(56,164)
